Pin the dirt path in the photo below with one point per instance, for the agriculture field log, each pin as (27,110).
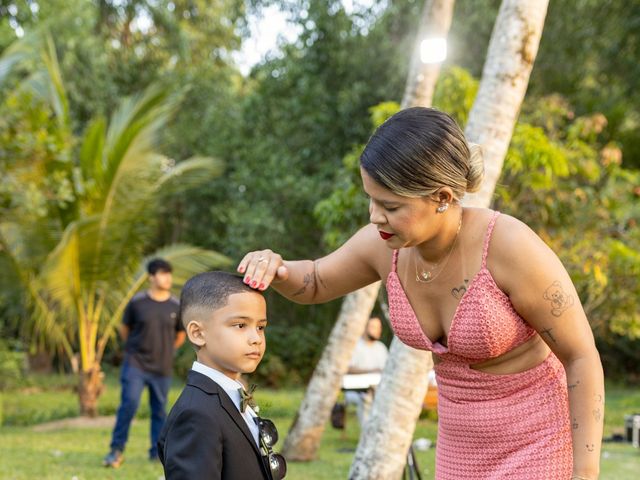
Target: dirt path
(76,422)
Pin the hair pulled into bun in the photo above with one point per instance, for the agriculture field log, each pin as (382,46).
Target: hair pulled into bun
(476,168)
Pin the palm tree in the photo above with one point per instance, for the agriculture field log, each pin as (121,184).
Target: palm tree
(94,261)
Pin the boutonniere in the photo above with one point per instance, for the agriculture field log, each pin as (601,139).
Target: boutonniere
(246,399)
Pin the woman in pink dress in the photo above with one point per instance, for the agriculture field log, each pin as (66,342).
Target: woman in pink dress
(520,382)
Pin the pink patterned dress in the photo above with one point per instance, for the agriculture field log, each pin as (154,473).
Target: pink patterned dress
(512,426)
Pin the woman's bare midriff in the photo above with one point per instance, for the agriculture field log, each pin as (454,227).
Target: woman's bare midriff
(524,357)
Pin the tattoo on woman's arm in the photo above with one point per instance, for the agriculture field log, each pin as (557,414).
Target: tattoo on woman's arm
(573,385)
(308,279)
(547,332)
(559,299)
(316,272)
(597,414)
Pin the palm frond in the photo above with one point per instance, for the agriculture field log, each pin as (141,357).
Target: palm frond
(91,156)
(45,81)
(68,268)
(8,62)
(134,126)
(190,173)
(57,93)
(48,329)
(18,52)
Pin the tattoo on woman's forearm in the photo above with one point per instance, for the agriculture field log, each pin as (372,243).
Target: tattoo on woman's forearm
(308,279)
(575,424)
(573,385)
(559,299)
(316,272)
(590,447)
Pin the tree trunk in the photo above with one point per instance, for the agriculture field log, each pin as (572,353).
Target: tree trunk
(304,436)
(512,51)
(387,433)
(90,388)
(303,439)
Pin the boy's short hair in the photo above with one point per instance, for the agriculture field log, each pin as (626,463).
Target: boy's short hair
(158,264)
(209,291)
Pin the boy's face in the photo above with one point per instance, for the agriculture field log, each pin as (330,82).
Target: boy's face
(232,339)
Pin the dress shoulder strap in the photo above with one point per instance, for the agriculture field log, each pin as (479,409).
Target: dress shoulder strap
(394,263)
(487,238)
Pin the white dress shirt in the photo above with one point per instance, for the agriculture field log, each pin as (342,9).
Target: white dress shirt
(231,387)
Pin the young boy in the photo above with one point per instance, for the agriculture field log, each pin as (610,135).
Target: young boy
(211,432)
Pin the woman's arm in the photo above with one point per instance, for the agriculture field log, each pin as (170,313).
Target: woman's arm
(542,293)
(352,266)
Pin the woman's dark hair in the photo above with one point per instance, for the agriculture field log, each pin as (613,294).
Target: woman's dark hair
(419,150)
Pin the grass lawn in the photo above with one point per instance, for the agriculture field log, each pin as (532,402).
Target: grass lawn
(76,452)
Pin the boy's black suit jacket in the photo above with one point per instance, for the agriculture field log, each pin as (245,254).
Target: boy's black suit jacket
(205,437)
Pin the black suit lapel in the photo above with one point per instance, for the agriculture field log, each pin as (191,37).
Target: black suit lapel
(207,385)
(234,413)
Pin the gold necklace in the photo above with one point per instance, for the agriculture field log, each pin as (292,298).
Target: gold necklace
(427,276)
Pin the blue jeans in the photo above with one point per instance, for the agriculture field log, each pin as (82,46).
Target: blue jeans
(133,381)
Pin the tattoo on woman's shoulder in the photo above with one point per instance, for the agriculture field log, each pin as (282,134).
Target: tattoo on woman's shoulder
(559,299)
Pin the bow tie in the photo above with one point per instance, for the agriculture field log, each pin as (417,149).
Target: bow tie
(246,399)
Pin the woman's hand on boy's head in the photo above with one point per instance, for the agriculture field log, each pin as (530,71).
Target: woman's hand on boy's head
(261,268)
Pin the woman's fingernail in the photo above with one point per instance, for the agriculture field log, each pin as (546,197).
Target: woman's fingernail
(261,287)
(241,269)
(247,279)
(253,284)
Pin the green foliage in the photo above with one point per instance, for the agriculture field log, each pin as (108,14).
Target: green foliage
(93,263)
(455,92)
(572,190)
(291,134)
(345,210)
(11,362)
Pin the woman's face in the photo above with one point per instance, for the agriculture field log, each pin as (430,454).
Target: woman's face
(401,221)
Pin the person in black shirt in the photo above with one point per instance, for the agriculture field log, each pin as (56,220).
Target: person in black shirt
(152,331)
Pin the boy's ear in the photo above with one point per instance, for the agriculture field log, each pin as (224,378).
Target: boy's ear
(195,332)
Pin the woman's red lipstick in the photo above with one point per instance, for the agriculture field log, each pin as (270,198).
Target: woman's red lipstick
(385,235)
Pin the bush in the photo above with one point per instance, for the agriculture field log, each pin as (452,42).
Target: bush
(11,362)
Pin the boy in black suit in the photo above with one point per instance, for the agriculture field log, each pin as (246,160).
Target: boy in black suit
(212,431)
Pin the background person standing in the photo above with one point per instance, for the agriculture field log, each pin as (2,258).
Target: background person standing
(152,331)
(369,356)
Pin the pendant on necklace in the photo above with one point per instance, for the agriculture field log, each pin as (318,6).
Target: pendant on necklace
(425,275)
